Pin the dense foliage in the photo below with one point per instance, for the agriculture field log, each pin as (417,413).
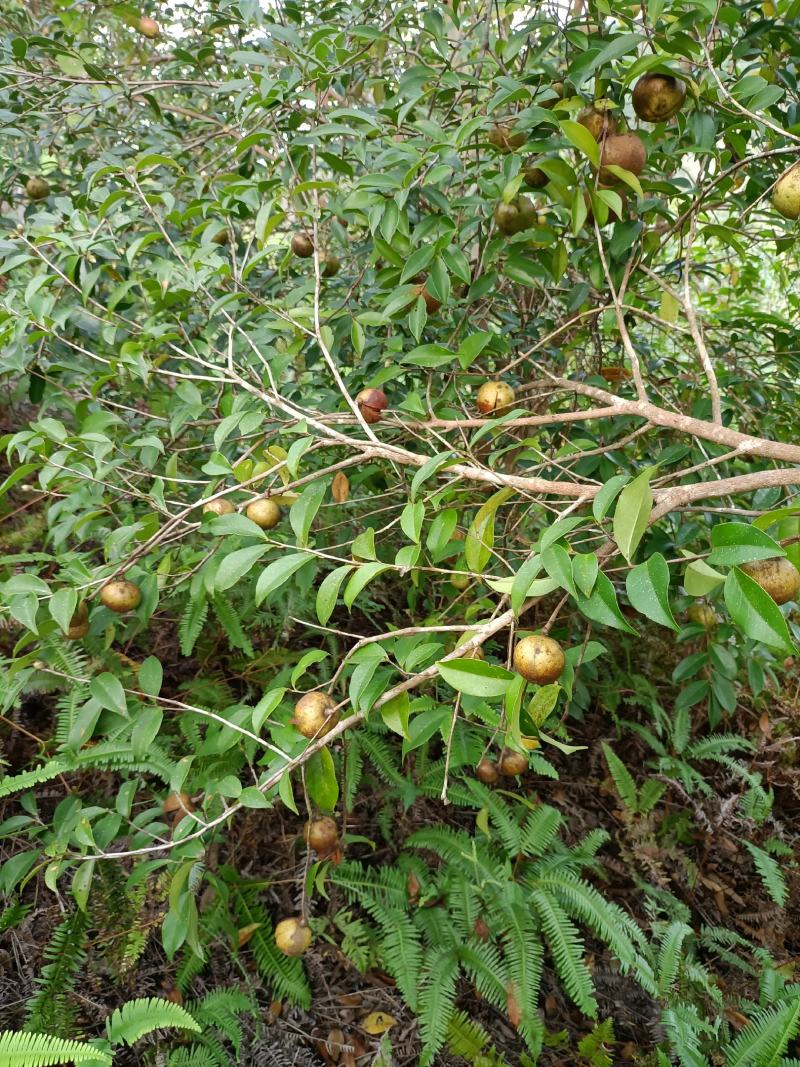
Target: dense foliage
(399,408)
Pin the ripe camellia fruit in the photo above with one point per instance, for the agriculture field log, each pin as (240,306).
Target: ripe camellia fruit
(221,506)
(322,835)
(177,802)
(148,27)
(493,397)
(503,137)
(534,177)
(778,577)
(79,623)
(121,595)
(302,245)
(622,150)
(330,266)
(539,659)
(264,513)
(371,404)
(314,714)
(518,215)
(786,194)
(486,771)
(293,937)
(658,97)
(598,119)
(432,305)
(512,763)
(37,188)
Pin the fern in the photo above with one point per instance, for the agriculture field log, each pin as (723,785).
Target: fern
(626,787)
(467,1038)
(669,954)
(139,1017)
(191,625)
(436,997)
(51,1009)
(19,782)
(764,1040)
(41,1050)
(232,625)
(567,950)
(771,874)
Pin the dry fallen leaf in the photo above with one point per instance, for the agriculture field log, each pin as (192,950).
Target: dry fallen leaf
(377,1022)
(340,490)
(513,1009)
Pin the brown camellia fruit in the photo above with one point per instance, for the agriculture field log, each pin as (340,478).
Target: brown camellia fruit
(121,595)
(539,659)
(148,27)
(37,188)
(657,97)
(371,404)
(221,237)
(778,577)
(314,714)
(703,615)
(598,119)
(264,513)
(493,397)
(486,772)
(512,763)
(432,305)
(622,150)
(533,176)
(293,937)
(786,194)
(516,216)
(221,506)
(330,266)
(79,623)
(503,137)
(302,245)
(322,835)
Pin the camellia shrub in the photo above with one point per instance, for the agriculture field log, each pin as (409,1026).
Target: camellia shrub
(384,391)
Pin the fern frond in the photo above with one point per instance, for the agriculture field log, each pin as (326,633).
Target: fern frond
(771,874)
(232,624)
(684,1026)
(566,946)
(16,783)
(51,1009)
(41,1050)
(539,830)
(402,953)
(435,1004)
(468,1039)
(669,954)
(524,955)
(136,1018)
(623,780)
(191,625)
(764,1040)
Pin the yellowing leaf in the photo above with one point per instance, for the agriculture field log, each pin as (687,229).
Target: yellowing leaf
(340,490)
(246,932)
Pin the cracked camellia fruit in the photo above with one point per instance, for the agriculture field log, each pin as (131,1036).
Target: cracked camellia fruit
(372,403)
(293,937)
(493,397)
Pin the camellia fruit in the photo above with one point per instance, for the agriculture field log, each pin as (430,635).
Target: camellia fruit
(264,513)
(372,403)
(148,27)
(293,937)
(598,119)
(539,659)
(432,305)
(658,97)
(533,176)
(79,623)
(493,397)
(120,595)
(37,188)
(315,714)
(486,772)
(778,577)
(517,215)
(302,245)
(512,764)
(786,194)
(220,506)
(503,137)
(322,835)
(624,150)
(330,266)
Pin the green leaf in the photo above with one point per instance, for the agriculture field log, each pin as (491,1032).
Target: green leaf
(236,565)
(584,571)
(315,655)
(522,581)
(252,797)
(755,612)
(411,519)
(602,605)
(580,137)
(556,561)
(395,714)
(278,572)
(82,883)
(542,703)
(328,592)
(648,591)
(151,675)
(286,793)
(428,469)
(363,576)
(480,536)
(108,692)
(607,495)
(699,579)
(323,788)
(632,512)
(738,542)
(303,511)
(476,678)
(62,606)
